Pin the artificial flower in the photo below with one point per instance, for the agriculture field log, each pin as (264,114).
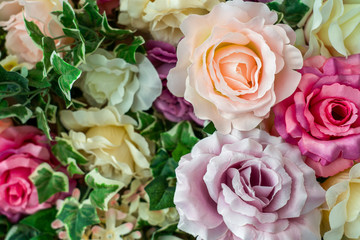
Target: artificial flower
(5,123)
(333,28)
(107,6)
(161,17)
(234,64)
(247,185)
(114,81)
(109,142)
(341,212)
(163,56)
(22,149)
(322,116)
(11,63)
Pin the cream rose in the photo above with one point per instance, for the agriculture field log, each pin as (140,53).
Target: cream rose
(333,28)
(234,64)
(114,81)
(341,212)
(162,17)
(109,142)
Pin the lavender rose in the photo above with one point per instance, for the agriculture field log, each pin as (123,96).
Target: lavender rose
(163,56)
(247,185)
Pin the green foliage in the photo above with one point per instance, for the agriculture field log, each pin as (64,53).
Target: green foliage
(41,221)
(48,182)
(148,125)
(42,122)
(34,32)
(21,232)
(103,189)
(162,164)
(179,140)
(291,10)
(166,230)
(209,128)
(128,52)
(160,193)
(20,112)
(4,226)
(76,217)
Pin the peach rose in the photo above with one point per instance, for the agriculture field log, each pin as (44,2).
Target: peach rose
(234,64)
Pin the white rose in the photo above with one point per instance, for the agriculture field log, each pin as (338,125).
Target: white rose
(109,142)
(162,17)
(114,81)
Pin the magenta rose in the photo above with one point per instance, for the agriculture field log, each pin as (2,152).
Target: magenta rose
(163,56)
(247,185)
(22,149)
(322,116)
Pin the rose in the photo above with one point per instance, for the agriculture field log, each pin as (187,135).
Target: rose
(161,17)
(321,117)
(109,142)
(19,43)
(107,6)
(22,149)
(5,123)
(234,64)
(340,213)
(332,29)
(247,185)
(126,86)
(8,8)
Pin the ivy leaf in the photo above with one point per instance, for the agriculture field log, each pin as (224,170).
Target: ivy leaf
(42,122)
(12,83)
(163,164)
(293,10)
(161,195)
(65,152)
(148,125)
(67,17)
(76,217)
(48,46)
(48,182)
(127,52)
(68,74)
(209,128)
(104,189)
(34,32)
(73,168)
(41,220)
(110,32)
(37,78)
(180,139)
(20,112)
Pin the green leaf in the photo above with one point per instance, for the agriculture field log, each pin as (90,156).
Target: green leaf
(68,74)
(209,128)
(76,217)
(110,32)
(163,164)
(48,182)
(48,46)
(160,194)
(12,83)
(127,52)
(104,189)
(20,112)
(166,230)
(41,220)
(42,122)
(148,125)
(37,78)
(65,152)
(21,232)
(4,226)
(67,18)
(179,139)
(73,168)
(34,32)
(293,10)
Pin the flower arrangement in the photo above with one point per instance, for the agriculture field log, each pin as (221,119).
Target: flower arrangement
(181,119)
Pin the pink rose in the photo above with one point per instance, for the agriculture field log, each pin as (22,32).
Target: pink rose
(19,43)
(246,186)
(107,6)
(234,64)
(322,116)
(22,149)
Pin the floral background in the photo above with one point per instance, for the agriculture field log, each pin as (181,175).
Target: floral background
(181,119)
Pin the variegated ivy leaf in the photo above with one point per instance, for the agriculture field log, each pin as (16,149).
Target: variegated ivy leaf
(20,112)
(42,122)
(48,182)
(68,74)
(77,216)
(68,156)
(34,32)
(104,189)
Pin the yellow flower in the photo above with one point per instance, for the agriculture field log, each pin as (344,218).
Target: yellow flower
(11,63)
(109,142)
(333,28)
(341,212)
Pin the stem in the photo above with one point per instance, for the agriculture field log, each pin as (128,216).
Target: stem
(86,194)
(56,38)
